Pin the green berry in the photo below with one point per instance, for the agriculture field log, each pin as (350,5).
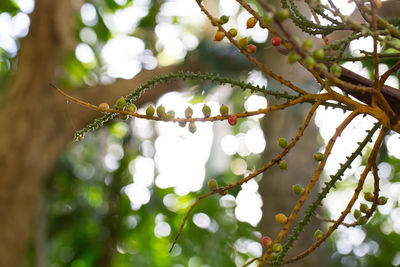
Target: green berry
(150,111)
(212,184)
(382,200)
(318,234)
(188,112)
(121,103)
(336,70)
(319,156)
(233,32)
(283,14)
(223,19)
(283,165)
(243,43)
(131,108)
(307,44)
(356,213)
(323,67)
(280,218)
(224,110)
(277,247)
(282,142)
(297,189)
(364,208)
(160,111)
(309,62)
(206,111)
(104,106)
(170,114)
(192,127)
(268,18)
(368,196)
(123,116)
(319,54)
(293,57)
(362,220)
(272,256)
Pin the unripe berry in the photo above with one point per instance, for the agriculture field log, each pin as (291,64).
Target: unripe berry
(150,111)
(170,114)
(233,32)
(336,70)
(212,184)
(292,57)
(160,111)
(223,19)
(297,189)
(282,142)
(319,54)
(131,108)
(382,200)
(318,234)
(224,110)
(319,156)
(266,241)
(104,106)
(123,116)
(309,62)
(307,44)
(283,165)
(368,196)
(356,213)
(362,220)
(364,207)
(232,120)
(206,111)
(192,127)
(268,18)
(243,43)
(280,218)
(277,247)
(272,256)
(283,14)
(219,36)
(182,123)
(251,22)
(276,41)
(251,49)
(121,103)
(188,112)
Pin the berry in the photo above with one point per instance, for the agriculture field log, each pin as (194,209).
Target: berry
(233,32)
(309,62)
(319,156)
(280,218)
(123,116)
(336,70)
(182,123)
(188,112)
(307,44)
(170,114)
(268,18)
(206,111)
(282,142)
(192,127)
(272,256)
(283,14)
(266,241)
(318,234)
(368,196)
(243,43)
(362,220)
(283,165)
(323,67)
(212,184)
(131,108)
(356,213)
(292,57)
(104,106)
(232,120)
(277,247)
(297,189)
(319,54)
(251,49)
(219,36)
(276,41)
(160,111)
(251,22)
(150,111)
(224,110)
(121,103)
(364,208)
(382,200)
(223,19)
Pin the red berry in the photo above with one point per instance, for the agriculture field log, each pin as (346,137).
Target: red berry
(266,241)
(232,120)
(276,41)
(251,49)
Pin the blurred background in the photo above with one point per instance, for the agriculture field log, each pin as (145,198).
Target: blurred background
(118,197)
